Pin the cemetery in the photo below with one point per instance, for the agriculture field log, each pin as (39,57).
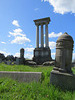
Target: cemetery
(52,75)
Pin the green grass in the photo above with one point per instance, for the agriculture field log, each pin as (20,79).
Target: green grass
(13,90)
(73,69)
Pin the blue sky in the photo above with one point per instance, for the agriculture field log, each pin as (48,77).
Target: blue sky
(17,29)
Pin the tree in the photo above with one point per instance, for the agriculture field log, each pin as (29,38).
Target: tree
(10,57)
(2,56)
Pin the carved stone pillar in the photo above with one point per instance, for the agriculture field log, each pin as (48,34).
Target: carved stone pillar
(42,36)
(46,35)
(37,36)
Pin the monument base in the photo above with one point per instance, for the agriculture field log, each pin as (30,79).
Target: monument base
(42,55)
(62,80)
(20,61)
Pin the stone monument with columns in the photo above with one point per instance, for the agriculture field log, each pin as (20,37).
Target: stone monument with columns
(42,53)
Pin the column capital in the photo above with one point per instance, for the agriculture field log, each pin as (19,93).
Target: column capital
(46,23)
(37,24)
(41,24)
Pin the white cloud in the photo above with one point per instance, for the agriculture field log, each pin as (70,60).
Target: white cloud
(15,22)
(17,54)
(29,55)
(29,52)
(62,6)
(3,42)
(19,37)
(29,49)
(73,56)
(18,30)
(52,45)
(53,55)
(9,36)
(16,34)
(5,53)
(30,45)
(54,34)
(20,40)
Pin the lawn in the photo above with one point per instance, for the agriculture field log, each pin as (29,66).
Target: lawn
(13,90)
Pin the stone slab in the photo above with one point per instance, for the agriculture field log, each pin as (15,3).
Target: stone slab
(22,76)
(63,80)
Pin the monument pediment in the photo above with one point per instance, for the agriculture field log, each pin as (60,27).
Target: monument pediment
(42,21)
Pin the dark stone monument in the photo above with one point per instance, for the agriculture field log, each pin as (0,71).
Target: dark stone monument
(21,53)
(62,74)
(42,54)
(21,60)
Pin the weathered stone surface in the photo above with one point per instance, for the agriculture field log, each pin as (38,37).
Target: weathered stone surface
(21,53)
(17,61)
(61,74)
(42,55)
(22,76)
(64,48)
(63,80)
(42,21)
(20,61)
(49,63)
(30,62)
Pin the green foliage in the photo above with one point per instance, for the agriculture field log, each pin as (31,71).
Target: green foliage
(73,69)
(13,90)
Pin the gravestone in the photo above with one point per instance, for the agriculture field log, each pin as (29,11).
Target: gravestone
(21,60)
(21,53)
(61,74)
(17,61)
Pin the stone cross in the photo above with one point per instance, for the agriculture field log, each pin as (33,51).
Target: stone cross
(41,22)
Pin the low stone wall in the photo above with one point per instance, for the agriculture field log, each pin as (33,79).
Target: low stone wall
(22,76)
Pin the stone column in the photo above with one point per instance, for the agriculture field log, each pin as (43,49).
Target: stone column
(42,36)
(46,35)
(37,36)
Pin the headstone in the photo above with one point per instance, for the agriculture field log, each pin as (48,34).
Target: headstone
(21,60)
(21,53)
(62,74)
(17,61)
